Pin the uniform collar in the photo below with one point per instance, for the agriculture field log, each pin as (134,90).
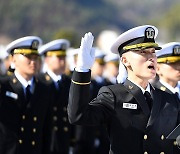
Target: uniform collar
(142,89)
(99,79)
(24,82)
(54,77)
(172,89)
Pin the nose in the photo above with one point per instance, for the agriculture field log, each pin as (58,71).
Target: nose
(151,54)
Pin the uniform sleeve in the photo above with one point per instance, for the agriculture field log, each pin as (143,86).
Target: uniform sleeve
(179,111)
(83,112)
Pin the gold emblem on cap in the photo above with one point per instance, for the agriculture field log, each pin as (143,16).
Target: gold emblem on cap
(47,77)
(176,50)
(149,33)
(35,44)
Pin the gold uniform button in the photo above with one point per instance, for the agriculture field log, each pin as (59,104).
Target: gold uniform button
(175,143)
(55,108)
(23,117)
(64,119)
(162,153)
(145,152)
(34,130)
(33,143)
(162,137)
(55,128)
(55,118)
(14,80)
(145,137)
(20,141)
(22,129)
(66,129)
(34,118)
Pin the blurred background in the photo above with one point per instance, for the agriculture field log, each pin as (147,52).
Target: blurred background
(52,19)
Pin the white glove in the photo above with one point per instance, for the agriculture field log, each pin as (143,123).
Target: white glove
(178,141)
(86,55)
(122,75)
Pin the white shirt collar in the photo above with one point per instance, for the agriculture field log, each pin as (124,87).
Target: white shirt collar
(54,77)
(24,82)
(142,89)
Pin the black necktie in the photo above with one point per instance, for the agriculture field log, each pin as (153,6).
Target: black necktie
(28,93)
(176,93)
(59,84)
(148,99)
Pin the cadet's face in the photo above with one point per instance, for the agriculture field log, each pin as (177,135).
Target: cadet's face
(112,69)
(25,65)
(169,72)
(142,63)
(97,69)
(56,64)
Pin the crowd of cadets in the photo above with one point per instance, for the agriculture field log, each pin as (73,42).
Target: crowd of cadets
(38,124)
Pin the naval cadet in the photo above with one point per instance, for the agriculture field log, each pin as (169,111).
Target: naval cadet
(93,140)
(168,68)
(138,116)
(54,77)
(24,102)
(111,67)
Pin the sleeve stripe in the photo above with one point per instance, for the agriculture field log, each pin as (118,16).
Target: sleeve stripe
(86,83)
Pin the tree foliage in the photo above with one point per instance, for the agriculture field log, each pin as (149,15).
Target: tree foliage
(48,19)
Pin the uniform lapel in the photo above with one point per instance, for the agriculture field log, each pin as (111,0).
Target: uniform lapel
(156,106)
(138,95)
(17,87)
(160,86)
(49,80)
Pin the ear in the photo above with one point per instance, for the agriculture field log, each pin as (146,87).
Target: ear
(125,61)
(14,59)
(158,69)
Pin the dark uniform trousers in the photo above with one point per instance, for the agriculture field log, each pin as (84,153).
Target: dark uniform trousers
(132,128)
(61,133)
(25,125)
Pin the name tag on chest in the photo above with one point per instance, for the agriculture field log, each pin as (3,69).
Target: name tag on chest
(11,94)
(129,106)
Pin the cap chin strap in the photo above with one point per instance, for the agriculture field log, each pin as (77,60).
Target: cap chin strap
(56,53)
(140,46)
(25,51)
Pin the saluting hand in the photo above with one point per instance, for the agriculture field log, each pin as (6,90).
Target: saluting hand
(86,55)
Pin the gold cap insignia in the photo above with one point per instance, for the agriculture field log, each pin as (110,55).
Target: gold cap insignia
(149,33)
(35,44)
(176,50)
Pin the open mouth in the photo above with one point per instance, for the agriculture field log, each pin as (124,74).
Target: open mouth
(151,67)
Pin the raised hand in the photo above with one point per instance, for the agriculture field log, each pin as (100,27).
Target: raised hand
(86,55)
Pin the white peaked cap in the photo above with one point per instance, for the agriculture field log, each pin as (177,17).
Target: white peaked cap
(140,34)
(111,57)
(60,44)
(98,53)
(31,42)
(169,53)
